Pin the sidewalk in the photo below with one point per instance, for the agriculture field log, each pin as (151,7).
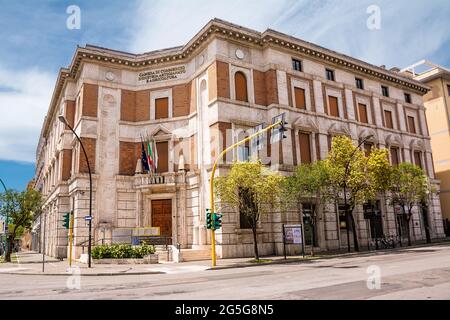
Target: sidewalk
(30,263)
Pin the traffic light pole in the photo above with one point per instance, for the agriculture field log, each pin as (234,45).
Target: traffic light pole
(211,182)
(6,222)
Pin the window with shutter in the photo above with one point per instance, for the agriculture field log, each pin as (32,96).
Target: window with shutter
(161,108)
(362,110)
(305,147)
(163,156)
(388,119)
(240,83)
(411,124)
(367,149)
(394,156)
(417,158)
(300,101)
(333,106)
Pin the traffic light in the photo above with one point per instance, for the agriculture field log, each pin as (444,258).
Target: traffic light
(66,219)
(278,132)
(217,220)
(209,220)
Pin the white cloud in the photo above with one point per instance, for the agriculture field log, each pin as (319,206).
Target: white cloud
(24,99)
(162,24)
(410,30)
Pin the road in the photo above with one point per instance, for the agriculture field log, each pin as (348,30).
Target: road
(419,273)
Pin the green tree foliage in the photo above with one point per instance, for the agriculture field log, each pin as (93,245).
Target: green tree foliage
(252,189)
(408,188)
(310,182)
(356,177)
(19,207)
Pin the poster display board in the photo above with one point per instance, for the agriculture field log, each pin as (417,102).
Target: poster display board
(293,234)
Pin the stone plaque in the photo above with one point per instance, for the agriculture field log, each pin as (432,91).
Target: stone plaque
(171,73)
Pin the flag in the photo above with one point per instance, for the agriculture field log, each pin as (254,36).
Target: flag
(144,158)
(150,156)
(155,156)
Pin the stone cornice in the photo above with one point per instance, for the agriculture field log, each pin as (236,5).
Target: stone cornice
(221,29)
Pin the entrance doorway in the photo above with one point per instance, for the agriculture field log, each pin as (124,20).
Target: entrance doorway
(162,216)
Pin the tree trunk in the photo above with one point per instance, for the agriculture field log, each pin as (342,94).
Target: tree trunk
(408,222)
(255,242)
(355,236)
(9,248)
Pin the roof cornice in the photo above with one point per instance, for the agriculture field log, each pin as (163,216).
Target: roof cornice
(223,29)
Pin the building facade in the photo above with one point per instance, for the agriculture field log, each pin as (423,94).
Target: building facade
(194,101)
(437,107)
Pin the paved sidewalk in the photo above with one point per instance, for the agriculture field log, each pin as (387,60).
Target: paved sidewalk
(30,263)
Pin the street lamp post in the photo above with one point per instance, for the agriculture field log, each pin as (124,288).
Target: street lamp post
(64,121)
(347,216)
(6,221)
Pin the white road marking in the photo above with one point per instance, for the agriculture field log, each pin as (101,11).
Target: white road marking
(180,269)
(12,269)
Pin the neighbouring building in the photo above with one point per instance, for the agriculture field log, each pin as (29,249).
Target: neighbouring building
(437,108)
(197,99)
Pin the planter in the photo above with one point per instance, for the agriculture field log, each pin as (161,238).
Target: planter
(150,259)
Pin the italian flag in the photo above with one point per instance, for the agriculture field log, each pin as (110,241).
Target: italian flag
(152,155)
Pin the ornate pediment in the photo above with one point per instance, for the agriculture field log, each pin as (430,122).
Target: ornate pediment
(394,139)
(305,123)
(338,128)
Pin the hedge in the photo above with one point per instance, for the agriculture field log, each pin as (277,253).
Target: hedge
(121,251)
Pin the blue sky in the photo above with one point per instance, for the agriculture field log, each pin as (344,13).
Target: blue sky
(36,43)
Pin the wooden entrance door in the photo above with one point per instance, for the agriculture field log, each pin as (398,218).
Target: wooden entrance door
(162,216)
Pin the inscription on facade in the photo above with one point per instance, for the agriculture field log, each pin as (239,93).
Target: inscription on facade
(161,74)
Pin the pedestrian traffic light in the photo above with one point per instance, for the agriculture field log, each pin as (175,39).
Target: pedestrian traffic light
(217,220)
(209,220)
(66,220)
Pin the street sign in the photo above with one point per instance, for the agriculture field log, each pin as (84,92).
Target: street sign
(87,218)
(258,142)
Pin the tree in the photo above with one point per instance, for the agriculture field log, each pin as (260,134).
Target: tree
(252,189)
(311,182)
(408,189)
(20,208)
(357,177)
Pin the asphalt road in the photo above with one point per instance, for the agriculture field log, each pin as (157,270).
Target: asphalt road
(419,273)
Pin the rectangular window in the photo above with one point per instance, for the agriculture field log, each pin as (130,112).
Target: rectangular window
(448,89)
(362,110)
(411,125)
(296,65)
(417,158)
(388,119)
(300,101)
(243,153)
(330,74)
(394,156)
(305,147)
(385,91)
(163,156)
(407,98)
(161,108)
(359,83)
(367,149)
(333,106)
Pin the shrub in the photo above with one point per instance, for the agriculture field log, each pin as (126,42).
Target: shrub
(121,251)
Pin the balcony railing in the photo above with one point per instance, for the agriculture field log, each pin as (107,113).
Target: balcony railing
(154,179)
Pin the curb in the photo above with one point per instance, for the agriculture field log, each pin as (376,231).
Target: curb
(331,256)
(85,275)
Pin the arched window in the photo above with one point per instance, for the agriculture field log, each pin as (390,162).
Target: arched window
(240,84)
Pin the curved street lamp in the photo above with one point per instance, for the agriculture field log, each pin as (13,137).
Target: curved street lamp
(64,121)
